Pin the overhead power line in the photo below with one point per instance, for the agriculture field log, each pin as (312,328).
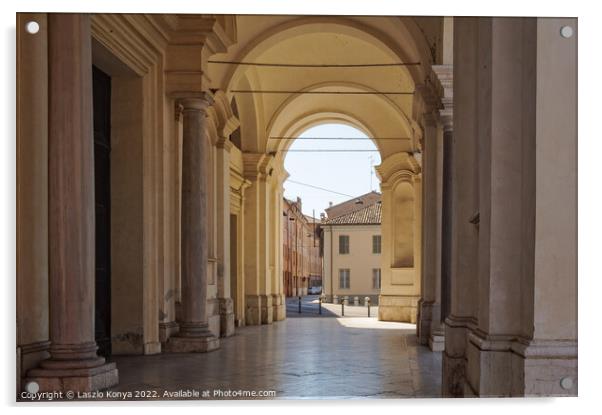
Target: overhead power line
(337,138)
(309,65)
(259,91)
(328,151)
(320,188)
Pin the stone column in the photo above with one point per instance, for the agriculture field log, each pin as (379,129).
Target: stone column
(463,239)
(194,334)
(74,364)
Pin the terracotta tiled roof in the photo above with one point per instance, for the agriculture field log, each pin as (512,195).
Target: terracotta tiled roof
(370,215)
(350,205)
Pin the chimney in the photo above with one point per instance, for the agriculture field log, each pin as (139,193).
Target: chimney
(329,204)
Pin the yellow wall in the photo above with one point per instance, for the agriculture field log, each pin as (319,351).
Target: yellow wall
(360,260)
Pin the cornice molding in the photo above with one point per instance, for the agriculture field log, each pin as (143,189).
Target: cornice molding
(398,166)
(125,37)
(256,165)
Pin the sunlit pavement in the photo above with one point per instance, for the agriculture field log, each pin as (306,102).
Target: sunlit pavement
(304,357)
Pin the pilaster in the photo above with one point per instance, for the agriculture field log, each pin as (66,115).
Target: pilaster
(226,308)
(258,295)
(400,272)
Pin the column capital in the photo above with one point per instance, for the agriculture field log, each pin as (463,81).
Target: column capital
(224,143)
(193,101)
(397,166)
(257,165)
(425,99)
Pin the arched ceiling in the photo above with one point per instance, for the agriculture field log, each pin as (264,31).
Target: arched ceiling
(323,40)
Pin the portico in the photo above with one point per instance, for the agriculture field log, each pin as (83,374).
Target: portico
(478,182)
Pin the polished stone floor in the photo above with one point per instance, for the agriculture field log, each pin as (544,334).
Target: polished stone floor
(303,357)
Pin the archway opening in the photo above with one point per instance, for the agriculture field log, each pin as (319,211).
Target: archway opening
(330,163)
(331,198)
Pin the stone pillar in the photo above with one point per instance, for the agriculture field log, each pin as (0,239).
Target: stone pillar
(226,306)
(74,364)
(194,334)
(32,195)
(463,241)
(549,356)
(521,338)
(428,326)
(259,307)
(278,297)
(400,269)
(444,75)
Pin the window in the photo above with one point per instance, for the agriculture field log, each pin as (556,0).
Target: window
(376,278)
(376,244)
(344,277)
(343,244)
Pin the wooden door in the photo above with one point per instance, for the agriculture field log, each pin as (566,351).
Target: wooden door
(102,183)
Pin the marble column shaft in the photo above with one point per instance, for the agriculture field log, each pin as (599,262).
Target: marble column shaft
(71,189)
(195,243)
(74,364)
(194,334)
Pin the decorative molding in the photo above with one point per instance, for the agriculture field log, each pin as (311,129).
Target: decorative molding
(125,37)
(35,347)
(443,77)
(401,163)
(193,101)
(178,109)
(256,165)
(187,29)
(224,143)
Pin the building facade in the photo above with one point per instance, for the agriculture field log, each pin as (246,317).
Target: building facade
(352,250)
(302,263)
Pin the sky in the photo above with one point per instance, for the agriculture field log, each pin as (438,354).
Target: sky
(349,173)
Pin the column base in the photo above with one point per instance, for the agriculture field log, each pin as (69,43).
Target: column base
(500,366)
(167,329)
(192,344)
(226,315)
(267,310)
(454,384)
(436,342)
(192,338)
(423,321)
(74,379)
(279,306)
(549,367)
(398,308)
(454,376)
(260,309)
(253,310)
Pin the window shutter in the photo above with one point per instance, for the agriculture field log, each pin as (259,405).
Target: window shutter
(376,244)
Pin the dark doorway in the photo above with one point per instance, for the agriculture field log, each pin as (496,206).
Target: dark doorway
(102,186)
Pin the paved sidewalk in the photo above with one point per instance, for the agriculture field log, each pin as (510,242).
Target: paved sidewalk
(299,358)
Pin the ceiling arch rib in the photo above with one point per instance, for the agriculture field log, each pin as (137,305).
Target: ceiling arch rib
(395,37)
(322,40)
(376,115)
(304,122)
